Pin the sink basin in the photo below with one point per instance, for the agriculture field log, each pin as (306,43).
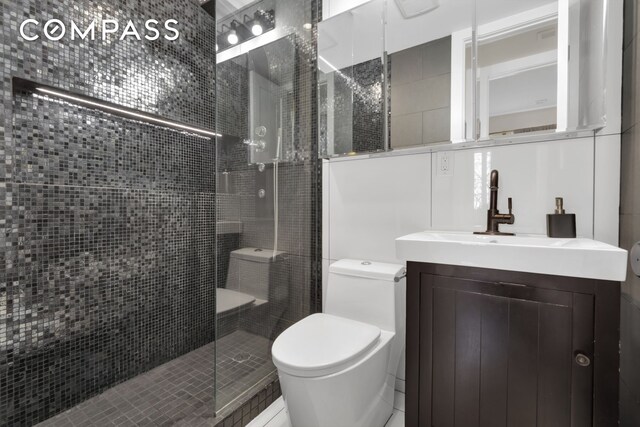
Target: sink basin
(584,258)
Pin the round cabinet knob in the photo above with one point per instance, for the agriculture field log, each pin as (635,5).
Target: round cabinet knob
(634,259)
(582,360)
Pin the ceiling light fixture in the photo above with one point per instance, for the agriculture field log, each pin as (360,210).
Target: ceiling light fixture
(259,22)
(256,29)
(252,25)
(232,37)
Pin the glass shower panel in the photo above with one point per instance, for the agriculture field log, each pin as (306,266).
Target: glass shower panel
(267,188)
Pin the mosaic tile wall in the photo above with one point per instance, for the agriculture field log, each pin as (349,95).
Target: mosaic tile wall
(107,225)
(368,106)
(358,105)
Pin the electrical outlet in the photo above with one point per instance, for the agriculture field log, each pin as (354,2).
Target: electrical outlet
(445,163)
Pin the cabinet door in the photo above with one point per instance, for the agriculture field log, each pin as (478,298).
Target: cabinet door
(502,354)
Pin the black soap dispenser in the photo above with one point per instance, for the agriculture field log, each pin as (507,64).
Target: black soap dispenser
(560,224)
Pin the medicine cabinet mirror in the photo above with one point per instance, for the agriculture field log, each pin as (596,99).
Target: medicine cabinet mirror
(395,74)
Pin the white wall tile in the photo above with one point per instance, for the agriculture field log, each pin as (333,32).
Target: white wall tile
(532,174)
(613,68)
(375,200)
(607,189)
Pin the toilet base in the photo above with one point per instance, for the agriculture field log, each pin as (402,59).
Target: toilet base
(360,396)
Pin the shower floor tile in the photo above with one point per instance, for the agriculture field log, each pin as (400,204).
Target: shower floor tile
(181,391)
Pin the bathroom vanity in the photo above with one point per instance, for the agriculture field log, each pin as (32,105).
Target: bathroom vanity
(505,330)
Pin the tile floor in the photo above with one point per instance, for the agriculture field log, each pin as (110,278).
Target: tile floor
(276,415)
(180,392)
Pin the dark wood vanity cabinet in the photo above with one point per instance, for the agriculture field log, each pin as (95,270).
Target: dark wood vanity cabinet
(494,348)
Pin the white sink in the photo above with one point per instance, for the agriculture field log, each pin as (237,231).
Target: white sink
(528,253)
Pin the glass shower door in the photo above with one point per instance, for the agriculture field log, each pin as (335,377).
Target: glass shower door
(267,171)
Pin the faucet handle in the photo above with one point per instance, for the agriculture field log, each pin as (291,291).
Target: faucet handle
(510,202)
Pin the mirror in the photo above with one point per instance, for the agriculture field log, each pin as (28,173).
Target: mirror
(517,68)
(350,81)
(423,64)
(540,66)
(410,73)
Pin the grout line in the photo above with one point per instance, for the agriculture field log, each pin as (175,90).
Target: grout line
(431,179)
(93,187)
(593,189)
(277,401)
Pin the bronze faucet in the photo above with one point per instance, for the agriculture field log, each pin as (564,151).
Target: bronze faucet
(494,217)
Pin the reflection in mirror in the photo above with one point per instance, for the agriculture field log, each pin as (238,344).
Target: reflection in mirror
(351,68)
(517,78)
(422,64)
(540,66)
(459,71)
(420,88)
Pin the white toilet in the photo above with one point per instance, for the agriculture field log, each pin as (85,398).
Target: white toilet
(338,368)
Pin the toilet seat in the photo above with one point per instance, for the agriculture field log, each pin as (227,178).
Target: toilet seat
(323,344)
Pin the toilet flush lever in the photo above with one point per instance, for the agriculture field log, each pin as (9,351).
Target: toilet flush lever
(401,276)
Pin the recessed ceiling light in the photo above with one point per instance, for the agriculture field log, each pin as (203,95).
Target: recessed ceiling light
(307,26)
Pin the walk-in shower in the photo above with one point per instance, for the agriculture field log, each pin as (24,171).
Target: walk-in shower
(159,205)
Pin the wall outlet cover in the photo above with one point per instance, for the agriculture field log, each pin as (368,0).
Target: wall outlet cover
(634,259)
(444,163)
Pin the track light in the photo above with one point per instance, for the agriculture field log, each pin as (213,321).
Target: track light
(256,28)
(257,23)
(232,37)
(253,25)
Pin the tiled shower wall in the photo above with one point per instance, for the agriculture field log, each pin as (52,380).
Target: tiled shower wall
(107,228)
(630,218)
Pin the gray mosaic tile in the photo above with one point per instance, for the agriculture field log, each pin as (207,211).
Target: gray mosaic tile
(108,225)
(182,391)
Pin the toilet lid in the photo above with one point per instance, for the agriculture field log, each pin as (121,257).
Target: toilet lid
(322,344)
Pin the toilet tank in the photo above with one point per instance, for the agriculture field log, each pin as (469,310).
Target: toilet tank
(258,272)
(370,292)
